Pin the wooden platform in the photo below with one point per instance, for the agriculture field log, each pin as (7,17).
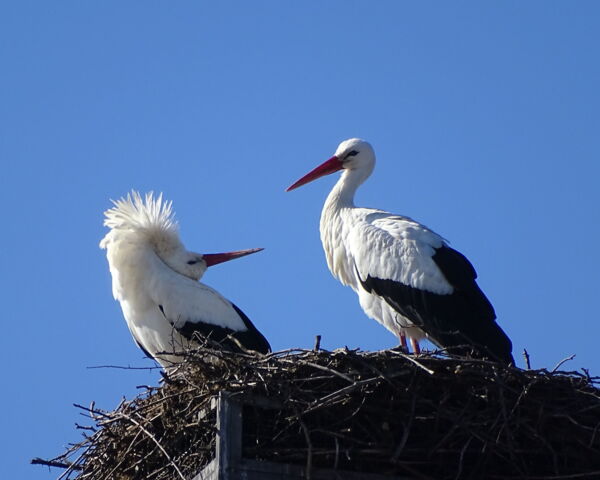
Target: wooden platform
(229,464)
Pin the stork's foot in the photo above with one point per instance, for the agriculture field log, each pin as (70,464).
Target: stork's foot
(403,345)
(415,346)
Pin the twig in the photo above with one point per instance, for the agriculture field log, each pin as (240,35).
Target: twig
(317,346)
(85,427)
(526,356)
(308,444)
(585,475)
(73,466)
(462,455)
(337,453)
(330,370)
(409,358)
(119,367)
(322,402)
(562,361)
(92,411)
(54,463)
(406,432)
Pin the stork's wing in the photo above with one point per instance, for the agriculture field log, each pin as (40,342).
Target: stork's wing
(433,286)
(195,309)
(397,248)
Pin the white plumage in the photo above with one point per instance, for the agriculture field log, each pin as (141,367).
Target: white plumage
(406,276)
(155,279)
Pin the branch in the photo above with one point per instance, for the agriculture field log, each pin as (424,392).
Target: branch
(562,361)
(54,463)
(526,356)
(408,357)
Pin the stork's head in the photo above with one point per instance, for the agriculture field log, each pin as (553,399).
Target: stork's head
(189,264)
(353,154)
(149,223)
(193,265)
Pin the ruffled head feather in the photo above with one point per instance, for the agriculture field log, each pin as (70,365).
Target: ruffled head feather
(150,219)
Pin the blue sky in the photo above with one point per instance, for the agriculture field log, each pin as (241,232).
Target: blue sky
(484,117)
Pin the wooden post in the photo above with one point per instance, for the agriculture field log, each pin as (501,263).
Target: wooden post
(229,435)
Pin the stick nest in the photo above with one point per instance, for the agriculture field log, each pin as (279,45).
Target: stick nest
(383,412)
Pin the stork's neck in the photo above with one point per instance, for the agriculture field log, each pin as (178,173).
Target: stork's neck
(342,194)
(336,219)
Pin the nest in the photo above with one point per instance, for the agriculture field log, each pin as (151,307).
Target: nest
(383,412)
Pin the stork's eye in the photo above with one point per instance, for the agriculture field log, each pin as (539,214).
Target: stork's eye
(353,153)
(192,262)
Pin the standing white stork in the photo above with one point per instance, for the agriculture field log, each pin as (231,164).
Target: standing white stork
(406,276)
(155,279)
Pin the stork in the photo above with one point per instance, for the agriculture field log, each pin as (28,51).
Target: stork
(156,281)
(406,276)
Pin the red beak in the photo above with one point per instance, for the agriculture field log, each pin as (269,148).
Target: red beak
(216,258)
(332,165)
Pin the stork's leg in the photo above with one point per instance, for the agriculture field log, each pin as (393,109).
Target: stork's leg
(415,346)
(403,343)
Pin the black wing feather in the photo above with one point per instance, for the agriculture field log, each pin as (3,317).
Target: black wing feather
(250,339)
(146,352)
(465,317)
